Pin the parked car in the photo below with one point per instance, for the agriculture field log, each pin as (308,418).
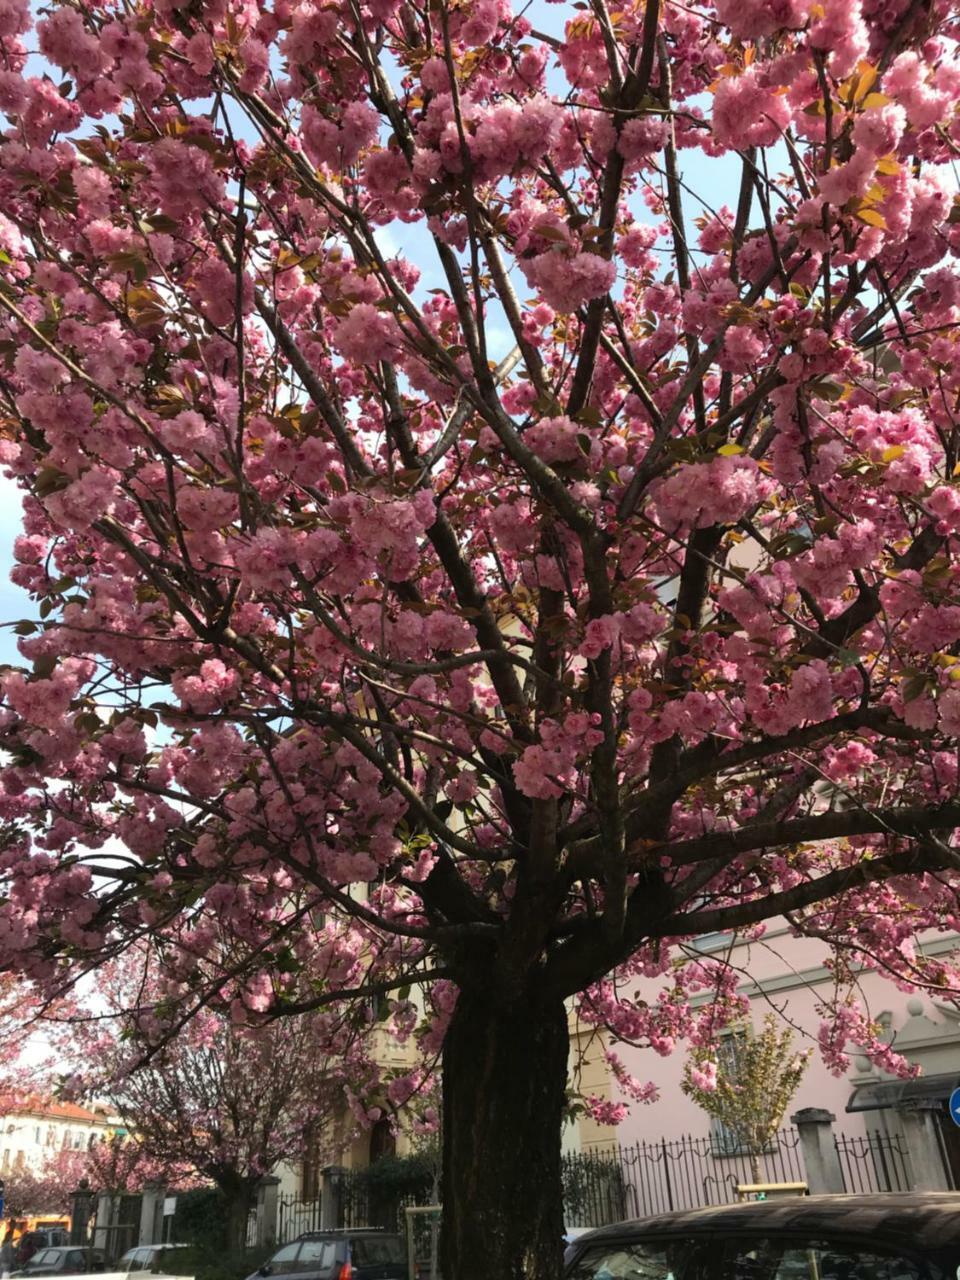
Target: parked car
(31,1242)
(339,1255)
(71,1260)
(869,1237)
(154,1259)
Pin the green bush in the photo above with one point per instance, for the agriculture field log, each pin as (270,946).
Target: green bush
(206,1262)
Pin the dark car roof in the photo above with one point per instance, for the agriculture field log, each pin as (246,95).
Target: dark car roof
(344,1233)
(931,1219)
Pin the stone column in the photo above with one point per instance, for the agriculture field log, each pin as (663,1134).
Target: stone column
(923,1143)
(151,1213)
(268,1203)
(81,1212)
(820,1158)
(330,1192)
(103,1237)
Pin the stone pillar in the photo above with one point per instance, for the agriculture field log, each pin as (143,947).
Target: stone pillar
(920,1131)
(81,1213)
(151,1213)
(820,1158)
(268,1204)
(103,1237)
(331,1188)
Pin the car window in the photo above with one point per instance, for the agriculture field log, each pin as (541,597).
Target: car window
(637,1260)
(317,1255)
(377,1249)
(284,1258)
(817,1259)
(76,1260)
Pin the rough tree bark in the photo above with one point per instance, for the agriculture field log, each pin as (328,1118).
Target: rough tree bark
(504,1076)
(238,1194)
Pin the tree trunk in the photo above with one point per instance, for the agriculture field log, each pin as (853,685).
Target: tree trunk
(238,1197)
(504,1086)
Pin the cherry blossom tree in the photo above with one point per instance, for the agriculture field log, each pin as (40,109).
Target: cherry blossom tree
(45,1189)
(120,1166)
(26,1064)
(490,499)
(221,1102)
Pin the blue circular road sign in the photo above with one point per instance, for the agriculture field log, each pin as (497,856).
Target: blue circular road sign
(955,1106)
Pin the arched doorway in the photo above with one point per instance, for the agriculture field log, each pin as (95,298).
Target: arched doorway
(383,1206)
(383,1141)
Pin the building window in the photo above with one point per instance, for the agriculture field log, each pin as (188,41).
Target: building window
(723,1140)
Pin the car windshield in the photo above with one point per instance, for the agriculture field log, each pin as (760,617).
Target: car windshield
(285,1257)
(45,1260)
(751,1258)
(775,1258)
(637,1260)
(317,1255)
(370,1251)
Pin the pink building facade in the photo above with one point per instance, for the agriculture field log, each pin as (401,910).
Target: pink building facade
(787,976)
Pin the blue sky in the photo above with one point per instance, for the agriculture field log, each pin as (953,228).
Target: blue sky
(716,178)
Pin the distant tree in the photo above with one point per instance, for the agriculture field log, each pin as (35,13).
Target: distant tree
(746,1082)
(224,1101)
(120,1165)
(29,1190)
(25,1067)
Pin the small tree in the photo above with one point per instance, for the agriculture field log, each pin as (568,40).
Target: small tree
(223,1101)
(29,1190)
(748,1084)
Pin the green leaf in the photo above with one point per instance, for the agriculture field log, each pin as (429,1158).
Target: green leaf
(44,666)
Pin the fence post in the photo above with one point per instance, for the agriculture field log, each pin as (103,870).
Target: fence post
(83,1199)
(820,1157)
(151,1213)
(923,1145)
(268,1203)
(106,1213)
(331,1193)
(666,1172)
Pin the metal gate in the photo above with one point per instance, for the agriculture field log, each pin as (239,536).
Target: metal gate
(116,1224)
(875,1162)
(296,1214)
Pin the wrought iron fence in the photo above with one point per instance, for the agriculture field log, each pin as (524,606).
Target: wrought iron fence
(366,1200)
(686,1173)
(874,1162)
(296,1214)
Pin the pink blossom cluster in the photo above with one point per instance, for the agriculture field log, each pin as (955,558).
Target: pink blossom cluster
(721,491)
